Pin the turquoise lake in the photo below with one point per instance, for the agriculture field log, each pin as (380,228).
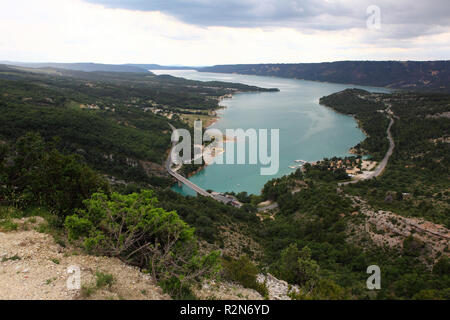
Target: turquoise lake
(307,130)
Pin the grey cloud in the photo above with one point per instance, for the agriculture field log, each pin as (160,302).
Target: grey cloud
(402,18)
(224,12)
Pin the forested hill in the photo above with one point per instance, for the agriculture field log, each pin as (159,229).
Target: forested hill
(92,67)
(116,121)
(86,67)
(409,75)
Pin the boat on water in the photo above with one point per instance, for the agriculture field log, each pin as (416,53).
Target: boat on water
(301,161)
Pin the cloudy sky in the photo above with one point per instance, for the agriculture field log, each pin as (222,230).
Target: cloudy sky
(207,32)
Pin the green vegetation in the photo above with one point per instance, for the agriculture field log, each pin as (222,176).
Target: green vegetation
(244,272)
(117,122)
(8,225)
(207,215)
(134,229)
(42,176)
(131,227)
(297,266)
(317,217)
(318,214)
(417,173)
(13,258)
(104,280)
(58,172)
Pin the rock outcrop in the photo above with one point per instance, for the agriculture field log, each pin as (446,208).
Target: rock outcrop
(278,289)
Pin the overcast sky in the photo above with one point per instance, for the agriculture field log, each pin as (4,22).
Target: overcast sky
(207,32)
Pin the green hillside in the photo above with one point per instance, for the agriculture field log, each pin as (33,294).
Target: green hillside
(408,75)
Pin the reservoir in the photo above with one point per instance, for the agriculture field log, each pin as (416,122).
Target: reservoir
(307,130)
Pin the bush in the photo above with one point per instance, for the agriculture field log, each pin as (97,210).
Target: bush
(44,176)
(327,289)
(442,267)
(104,280)
(412,246)
(132,228)
(297,266)
(244,272)
(427,295)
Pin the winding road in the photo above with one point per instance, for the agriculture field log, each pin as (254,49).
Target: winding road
(182,179)
(268,207)
(382,165)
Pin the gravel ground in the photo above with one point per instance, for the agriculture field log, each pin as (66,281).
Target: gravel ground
(34,267)
(212,290)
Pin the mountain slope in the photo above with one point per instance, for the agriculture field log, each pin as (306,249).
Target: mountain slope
(117,121)
(409,75)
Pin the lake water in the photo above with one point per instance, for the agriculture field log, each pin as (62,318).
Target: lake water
(308,131)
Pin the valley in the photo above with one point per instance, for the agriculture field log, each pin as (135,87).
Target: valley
(79,148)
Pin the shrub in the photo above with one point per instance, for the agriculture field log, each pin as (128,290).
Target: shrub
(442,267)
(297,266)
(44,176)
(8,225)
(427,295)
(244,272)
(327,289)
(412,246)
(104,280)
(132,228)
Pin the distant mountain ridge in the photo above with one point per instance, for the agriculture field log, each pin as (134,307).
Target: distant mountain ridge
(405,75)
(408,75)
(93,67)
(86,67)
(160,67)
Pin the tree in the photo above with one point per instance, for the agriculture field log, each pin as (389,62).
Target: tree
(243,271)
(328,290)
(289,263)
(43,175)
(65,182)
(427,295)
(412,246)
(297,266)
(442,267)
(3,153)
(3,175)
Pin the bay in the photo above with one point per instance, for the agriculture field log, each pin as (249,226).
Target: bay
(308,130)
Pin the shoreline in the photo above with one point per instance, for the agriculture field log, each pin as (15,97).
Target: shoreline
(352,150)
(221,107)
(300,79)
(215,119)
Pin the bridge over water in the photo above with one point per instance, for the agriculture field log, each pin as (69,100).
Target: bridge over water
(216,196)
